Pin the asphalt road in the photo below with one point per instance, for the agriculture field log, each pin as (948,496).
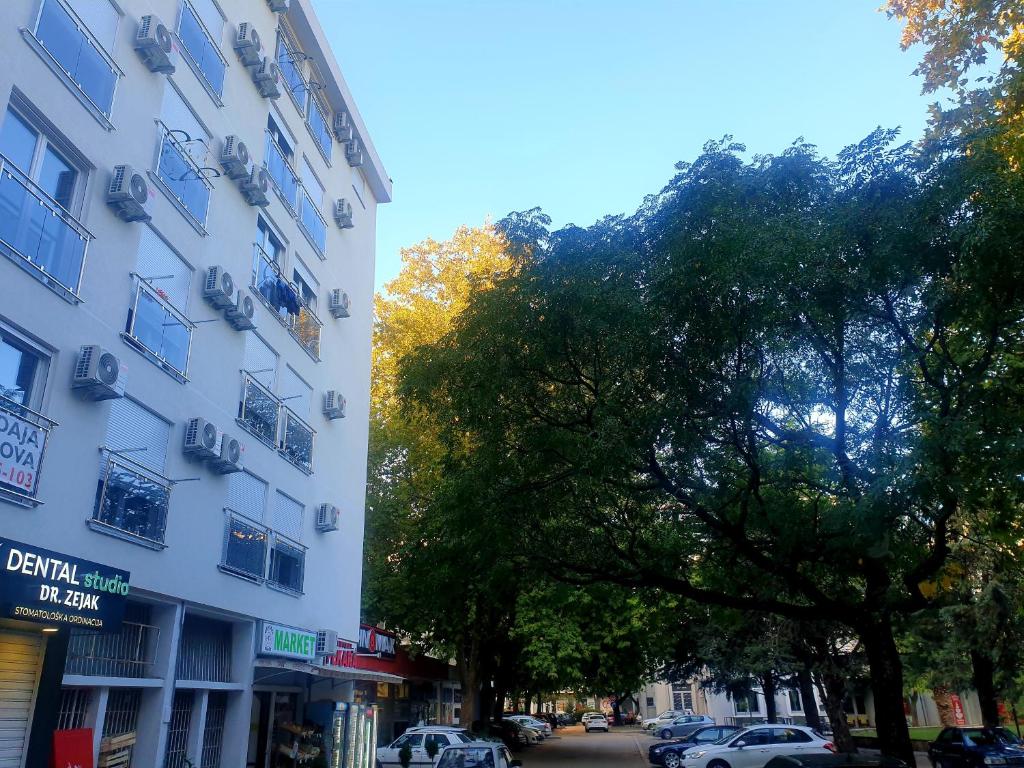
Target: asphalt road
(621,748)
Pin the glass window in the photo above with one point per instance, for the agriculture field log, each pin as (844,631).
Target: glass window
(795,705)
(297,441)
(759,736)
(312,221)
(316,119)
(245,546)
(76,52)
(159,328)
(285,181)
(182,177)
(201,49)
(287,563)
(18,141)
(259,411)
(291,70)
(133,501)
(412,739)
(57,177)
(22,372)
(789,736)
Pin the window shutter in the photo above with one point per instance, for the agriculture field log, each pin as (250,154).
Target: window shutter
(286,516)
(247,495)
(260,357)
(292,385)
(100,17)
(132,426)
(156,259)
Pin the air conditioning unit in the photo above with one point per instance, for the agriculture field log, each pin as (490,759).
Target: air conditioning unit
(219,288)
(98,374)
(128,194)
(200,439)
(278,6)
(342,126)
(334,404)
(155,46)
(256,187)
(327,517)
(326,642)
(267,77)
(229,455)
(234,158)
(241,313)
(248,45)
(343,213)
(354,153)
(339,303)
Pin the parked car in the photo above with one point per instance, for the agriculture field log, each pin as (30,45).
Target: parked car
(974,747)
(532,722)
(513,735)
(417,739)
(566,719)
(594,721)
(670,753)
(665,717)
(683,726)
(526,736)
(858,760)
(477,754)
(753,747)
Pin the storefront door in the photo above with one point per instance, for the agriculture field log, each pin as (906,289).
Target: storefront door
(21,658)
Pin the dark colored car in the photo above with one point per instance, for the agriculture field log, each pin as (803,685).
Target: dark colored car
(510,732)
(975,748)
(670,753)
(858,760)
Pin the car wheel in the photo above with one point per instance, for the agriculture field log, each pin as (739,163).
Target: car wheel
(672,760)
(666,734)
(718,764)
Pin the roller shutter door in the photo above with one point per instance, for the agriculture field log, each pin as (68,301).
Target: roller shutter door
(21,656)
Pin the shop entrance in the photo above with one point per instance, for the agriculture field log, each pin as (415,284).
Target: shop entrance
(21,659)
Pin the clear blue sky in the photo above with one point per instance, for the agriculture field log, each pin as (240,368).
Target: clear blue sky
(480,107)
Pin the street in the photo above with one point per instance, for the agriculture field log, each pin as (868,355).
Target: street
(572,747)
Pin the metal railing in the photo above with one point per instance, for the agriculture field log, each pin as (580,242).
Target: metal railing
(39,231)
(312,222)
(287,564)
(305,328)
(267,276)
(316,121)
(128,653)
(281,174)
(133,500)
(259,410)
(160,328)
(297,439)
(182,176)
(205,650)
(246,543)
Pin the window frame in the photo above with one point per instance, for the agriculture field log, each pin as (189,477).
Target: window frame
(285,40)
(287,414)
(165,135)
(286,541)
(249,378)
(215,94)
(292,206)
(145,473)
(232,516)
(44,359)
(313,103)
(144,285)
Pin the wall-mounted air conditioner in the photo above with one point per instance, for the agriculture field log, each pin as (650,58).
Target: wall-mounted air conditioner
(267,77)
(128,194)
(342,125)
(98,374)
(219,288)
(327,517)
(241,314)
(248,45)
(229,455)
(326,642)
(354,153)
(155,46)
(256,187)
(343,213)
(234,158)
(200,439)
(339,303)
(334,404)
(279,6)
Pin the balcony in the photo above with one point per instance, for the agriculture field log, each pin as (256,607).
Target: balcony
(39,235)
(259,410)
(316,121)
(130,652)
(313,224)
(159,330)
(132,502)
(19,472)
(281,173)
(245,547)
(282,297)
(294,83)
(287,565)
(201,52)
(297,440)
(182,177)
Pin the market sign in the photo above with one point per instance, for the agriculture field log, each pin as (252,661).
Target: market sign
(49,587)
(376,642)
(21,452)
(291,643)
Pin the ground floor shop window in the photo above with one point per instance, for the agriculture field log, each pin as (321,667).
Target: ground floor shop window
(177,730)
(74,704)
(213,731)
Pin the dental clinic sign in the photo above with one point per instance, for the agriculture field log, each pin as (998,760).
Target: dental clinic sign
(39,585)
(21,453)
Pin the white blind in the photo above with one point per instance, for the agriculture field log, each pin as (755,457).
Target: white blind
(260,360)
(129,425)
(299,392)
(157,260)
(209,14)
(177,116)
(286,516)
(100,17)
(247,495)
(312,184)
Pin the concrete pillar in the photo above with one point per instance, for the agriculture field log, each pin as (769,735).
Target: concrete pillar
(155,707)
(197,727)
(239,704)
(95,717)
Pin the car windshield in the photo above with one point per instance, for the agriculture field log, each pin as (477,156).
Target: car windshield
(728,737)
(987,737)
(467,757)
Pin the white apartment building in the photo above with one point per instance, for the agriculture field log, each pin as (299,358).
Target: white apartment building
(691,696)
(187,229)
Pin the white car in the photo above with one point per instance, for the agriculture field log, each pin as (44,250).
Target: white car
(665,717)
(753,747)
(594,721)
(477,754)
(417,739)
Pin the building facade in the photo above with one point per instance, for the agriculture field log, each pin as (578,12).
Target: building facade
(187,229)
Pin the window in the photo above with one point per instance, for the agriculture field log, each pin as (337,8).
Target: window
(311,220)
(297,441)
(795,704)
(287,564)
(789,736)
(746,703)
(305,325)
(74,34)
(132,496)
(286,516)
(245,538)
(277,161)
(182,159)
(199,30)
(39,187)
(22,371)
(290,60)
(414,740)
(295,392)
(317,121)
(650,701)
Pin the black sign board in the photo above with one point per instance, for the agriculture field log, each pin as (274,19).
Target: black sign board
(376,642)
(48,587)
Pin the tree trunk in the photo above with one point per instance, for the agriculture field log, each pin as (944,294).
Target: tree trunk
(833,693)
(486,704)
(468,666)
(941,694)
(886,670)
(769,686)
(806,687)
(500,694)
(984,684)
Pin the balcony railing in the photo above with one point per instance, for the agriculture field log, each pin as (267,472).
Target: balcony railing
(133,500)
(297,440)
(290,73)
(201,52)
(182,175)
(245,546)
(39,233)
(285,181)
(287,564)
(269,282)
(316,121)
(313,224)
(259,410)
(19,472)
(159,328)
(128,653)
